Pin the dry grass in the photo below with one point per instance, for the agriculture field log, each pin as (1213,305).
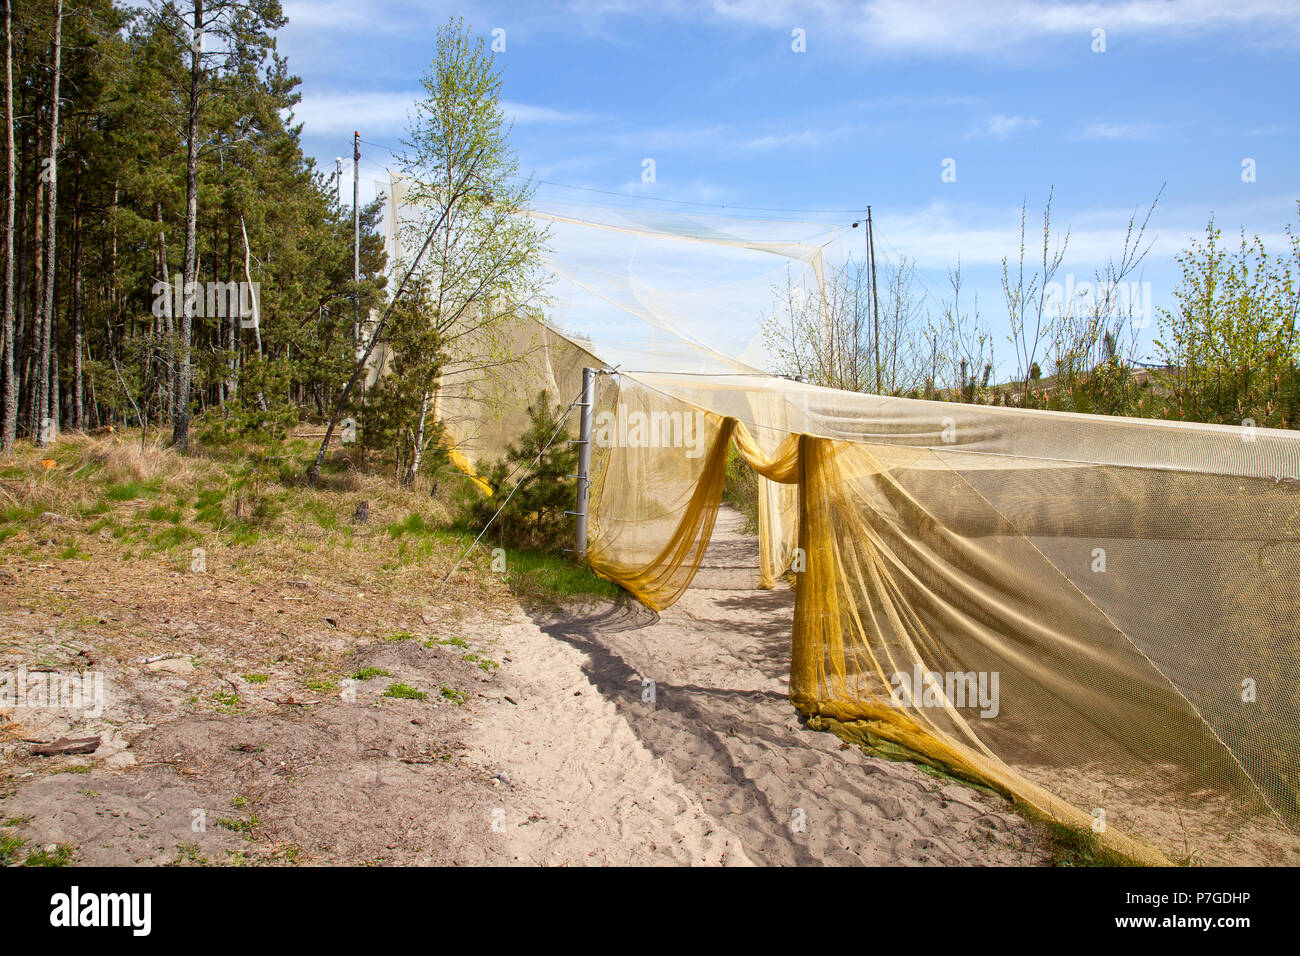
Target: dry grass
(130,544)
(9,729)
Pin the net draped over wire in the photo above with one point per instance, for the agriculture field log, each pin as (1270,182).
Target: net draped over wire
(1130,584)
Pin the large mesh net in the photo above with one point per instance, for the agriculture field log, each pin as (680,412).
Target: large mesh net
(1096,616)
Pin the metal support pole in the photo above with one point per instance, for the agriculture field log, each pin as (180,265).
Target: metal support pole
(585,405)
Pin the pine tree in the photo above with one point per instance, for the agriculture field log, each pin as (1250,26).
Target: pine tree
(541,463)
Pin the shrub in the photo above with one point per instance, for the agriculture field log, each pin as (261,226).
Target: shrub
(540,464)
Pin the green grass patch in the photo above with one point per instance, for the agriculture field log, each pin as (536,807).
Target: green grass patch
(457,697)
(17,514)
(414,524)
(370,673)
(291,854)
(740,489)
(245,536)
(61,856)
(226,701)
(405,692)
(173,537)
(323,513)
(208,507)
(188,853)
(244,827)
(92,467)
(1079,846)
(131,490)
(548,577)
(163,513)
(11,848)
(256,678)
(484,663)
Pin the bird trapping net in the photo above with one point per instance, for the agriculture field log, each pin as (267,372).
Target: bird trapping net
(1096,616)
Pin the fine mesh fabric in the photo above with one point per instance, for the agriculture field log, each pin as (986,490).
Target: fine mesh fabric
(1129,584)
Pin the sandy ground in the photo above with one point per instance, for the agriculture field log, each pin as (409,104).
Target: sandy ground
(286,777)
(710,764)
(564,754)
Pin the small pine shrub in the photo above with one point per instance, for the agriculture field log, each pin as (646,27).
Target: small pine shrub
(534,517)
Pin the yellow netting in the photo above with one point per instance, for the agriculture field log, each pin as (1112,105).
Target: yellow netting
(909,567)
(1096,616)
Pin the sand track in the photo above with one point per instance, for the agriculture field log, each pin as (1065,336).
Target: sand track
(714,766)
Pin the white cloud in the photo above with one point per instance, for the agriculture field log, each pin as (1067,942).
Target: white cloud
(999,126)
(375,114)
(795,138)
(987,27)
(525,113)
(374,16)
(938,233)
(1120,131)
(386,113)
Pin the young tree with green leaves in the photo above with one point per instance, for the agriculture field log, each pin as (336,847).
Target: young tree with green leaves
(481,268)
(1230,342)
(475,256)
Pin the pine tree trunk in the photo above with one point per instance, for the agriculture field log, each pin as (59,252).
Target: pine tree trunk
(232,327)
(56,396)
(78,402)
(23,332)
(36,379)
(111,313)
(168,332)
(189,269)
(47,367)
(9,421)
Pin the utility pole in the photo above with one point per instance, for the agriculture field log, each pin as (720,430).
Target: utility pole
(875,304)
(356,237)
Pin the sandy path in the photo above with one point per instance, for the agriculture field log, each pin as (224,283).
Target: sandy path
(716,769)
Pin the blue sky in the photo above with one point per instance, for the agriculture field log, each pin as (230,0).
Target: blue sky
(883,94)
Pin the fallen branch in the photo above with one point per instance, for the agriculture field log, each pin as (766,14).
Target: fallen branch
(65,745)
